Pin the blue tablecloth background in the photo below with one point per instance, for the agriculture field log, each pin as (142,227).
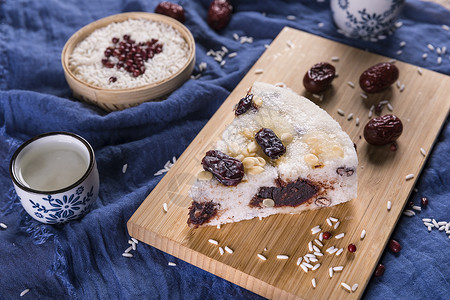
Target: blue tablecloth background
(82,259)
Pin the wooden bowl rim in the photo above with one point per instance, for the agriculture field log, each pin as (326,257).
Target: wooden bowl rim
(83,32)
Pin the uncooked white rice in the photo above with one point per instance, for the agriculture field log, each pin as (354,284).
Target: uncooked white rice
(399,52)
(329,222)
(335,58)
(439,60)
(431,47)
(428,224)
(135,240)
(316,266)
(339,251)
(3,225)
(306,258)
(313,282)
(304,268)
(339,236)
(350,116)
(354,287)
(423,152)
(124,168)
(291,17)
(435,223)
(426,220)
(172,264)
(417,208)
(346,286)
(214,242)
(409,213)
(282,256)
(351,84)
(262,257)
(259,71)
(318,242)
(318,253)
(316,249)
(309,266)
(342,113)
(409,176)
(229,250)
(338,268)
(424,56)
(363,234)
(231,55)
(128,249)
(221,251)
(337,225)
(85,60)
(299,260)
(389,205)
(445,27)
(310,246)
(126,254)
(330,272)
(165,207)
(402,44)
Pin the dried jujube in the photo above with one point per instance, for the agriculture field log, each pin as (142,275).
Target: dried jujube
(319,77)
(226,169)
(270,143)
(383,130)
(219,14)
(378,77)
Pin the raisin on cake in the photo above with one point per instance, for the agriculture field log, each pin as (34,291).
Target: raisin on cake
(281,154)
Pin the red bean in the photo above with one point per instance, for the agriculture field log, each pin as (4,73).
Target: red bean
(379,271)
(326,235)
(395,246)
(352,248)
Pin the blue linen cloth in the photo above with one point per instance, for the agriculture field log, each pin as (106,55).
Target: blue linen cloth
(82,259)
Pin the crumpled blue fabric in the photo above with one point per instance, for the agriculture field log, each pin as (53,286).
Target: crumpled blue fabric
(82,259)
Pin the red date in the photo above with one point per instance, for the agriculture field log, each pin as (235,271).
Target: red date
(226,169)
(378,77)
(219,14)
(383,130)
(172,10)
(319,77)
(270,143)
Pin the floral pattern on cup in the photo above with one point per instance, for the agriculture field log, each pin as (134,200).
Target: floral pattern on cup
(365,19)
(65,209)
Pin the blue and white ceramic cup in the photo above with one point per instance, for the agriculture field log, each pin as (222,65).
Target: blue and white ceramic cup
(55,176)
(365,19)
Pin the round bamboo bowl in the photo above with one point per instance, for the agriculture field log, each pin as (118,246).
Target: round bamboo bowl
(117,99)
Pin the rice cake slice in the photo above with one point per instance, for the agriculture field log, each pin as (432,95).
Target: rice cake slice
(317,169)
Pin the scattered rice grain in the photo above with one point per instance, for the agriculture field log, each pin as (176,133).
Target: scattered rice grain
(128,249)
(304,268)
(309,266)
(402,44)
(321,236)
(431,47)
(306,258)
(319,243)
(423,152)
(389,106)
(299,260)
(262,257)
(310,246)
(330,272)
(399,52)
(231,55)
(408,213)
(409,176)
(329,222)
(3,225)
(316,266)
(235,36)
(24,292)
(282,256)
(313,282)
(171,264)
(398,24)
(417,208)
(346,286)
(445,27)
(354,287)
(363,95)
(438,51)
(338,268)
(316,249)
(316,231)
(339,236)
(335,58)
(363,234)
(389,205)
(429,228)
(165,207)
(435,223)
(439,60)
(290,44)
(402,87)
(339,251)
(229,250)
(214,242)
(124,168)
(318,253)
(426,220)
(428,224)
(337,225)
(424,56)
(221,251)
(259,71)
(350,116)
(218,226)
(320,24)
(222,63)
(127,254)
(351,84)
(291,17)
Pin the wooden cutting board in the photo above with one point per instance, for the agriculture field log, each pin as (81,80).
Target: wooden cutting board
(422,106)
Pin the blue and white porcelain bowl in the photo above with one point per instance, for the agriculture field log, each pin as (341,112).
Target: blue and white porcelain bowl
(365,19)
(55,176)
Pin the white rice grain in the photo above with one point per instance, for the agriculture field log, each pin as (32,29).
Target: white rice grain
(428,224)
(409,176)
(315,231)
(282,256)
(316,266)
(445,27)
(318,253)
(218,226)
(229,250)
(329,222)
(316,260)
(124,168)
(439,60)
(442,223)
(351,84)
(350,116)
(235,36)
(304,268)
(417,208)
(128,249)
(306,258)
(354,287)
(313,282)
(330,249)
(335,58)
(24,292)
(409,213)
(435,223)
(290,44)
(165,207)
(423,152)
(291,17)
(171,264)
(309,266)
(321,236)
(231,55)
(389,205)
(346,286)
(431,47)
(363,95)
(318,242)
(310,246)
(337,225)
(259,71)
(402,88)
(262,257)
(424,56)
(214,242)
(426,220)
(3,225)
(320,24)
(363,234)
(222,63)
(339,251)
(338,268)
(389,106)
(399,52)
(330,272)
(221,251)
(438,51)
(127,254)
(316,249)
(398,24)
(402,44)
(339,236)
(429,228)
(299,260)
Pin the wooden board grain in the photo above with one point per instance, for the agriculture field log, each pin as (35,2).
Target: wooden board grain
(422,106)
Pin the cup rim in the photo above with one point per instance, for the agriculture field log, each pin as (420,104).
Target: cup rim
(12,173)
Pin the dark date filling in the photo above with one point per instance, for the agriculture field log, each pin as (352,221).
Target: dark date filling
(199,213)
(286,194)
